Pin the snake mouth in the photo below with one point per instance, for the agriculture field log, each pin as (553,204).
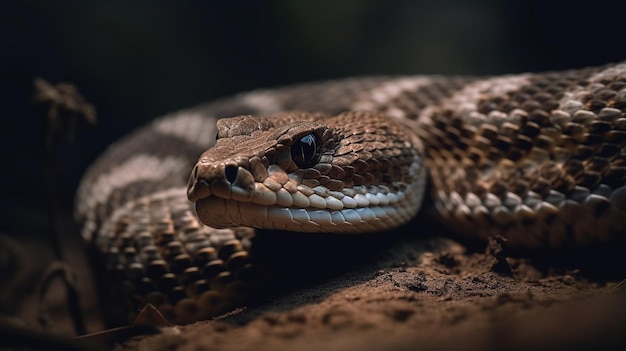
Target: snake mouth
(223,213)
(236,199)
(352,210)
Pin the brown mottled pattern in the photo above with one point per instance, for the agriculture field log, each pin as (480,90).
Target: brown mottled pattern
(539,159)
(531,145)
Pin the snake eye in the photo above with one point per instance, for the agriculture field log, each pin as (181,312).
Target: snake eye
(306,152)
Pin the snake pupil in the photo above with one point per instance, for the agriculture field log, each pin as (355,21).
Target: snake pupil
(306,151)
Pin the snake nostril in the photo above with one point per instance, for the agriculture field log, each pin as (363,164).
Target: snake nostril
(230,172)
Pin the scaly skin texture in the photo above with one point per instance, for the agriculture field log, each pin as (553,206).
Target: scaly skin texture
(539,159)
(365,174)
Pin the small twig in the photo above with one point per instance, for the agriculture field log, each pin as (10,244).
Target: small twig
(149,321)
(14,336)
(64,108)
(59,269)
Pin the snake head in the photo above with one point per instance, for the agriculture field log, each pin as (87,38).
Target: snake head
(355,172)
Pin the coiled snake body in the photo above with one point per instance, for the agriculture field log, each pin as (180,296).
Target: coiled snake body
(539,159)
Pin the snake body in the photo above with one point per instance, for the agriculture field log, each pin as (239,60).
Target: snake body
(538,158)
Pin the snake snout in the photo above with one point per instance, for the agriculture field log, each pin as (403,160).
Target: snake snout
(224,180)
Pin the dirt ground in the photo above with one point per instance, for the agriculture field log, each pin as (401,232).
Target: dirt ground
(408,292)
(423,294)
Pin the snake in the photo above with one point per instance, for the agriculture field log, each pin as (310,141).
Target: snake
(538,159)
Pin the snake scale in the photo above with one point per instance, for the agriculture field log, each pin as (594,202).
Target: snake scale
(537,158)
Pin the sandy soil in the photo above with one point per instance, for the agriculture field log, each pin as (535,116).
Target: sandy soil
(414,293)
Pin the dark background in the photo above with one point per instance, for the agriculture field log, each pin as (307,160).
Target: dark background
(135,60)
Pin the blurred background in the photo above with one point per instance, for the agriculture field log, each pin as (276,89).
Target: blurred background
(135,60)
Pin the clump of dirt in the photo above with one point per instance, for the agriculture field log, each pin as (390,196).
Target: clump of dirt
(422,294)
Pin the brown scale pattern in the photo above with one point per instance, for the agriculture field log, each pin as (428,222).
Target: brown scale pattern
(584,149)
(374,153)
(158,252)
(359,148)
(162,255)
(412,102)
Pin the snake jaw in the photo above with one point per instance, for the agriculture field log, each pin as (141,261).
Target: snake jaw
(353,210)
